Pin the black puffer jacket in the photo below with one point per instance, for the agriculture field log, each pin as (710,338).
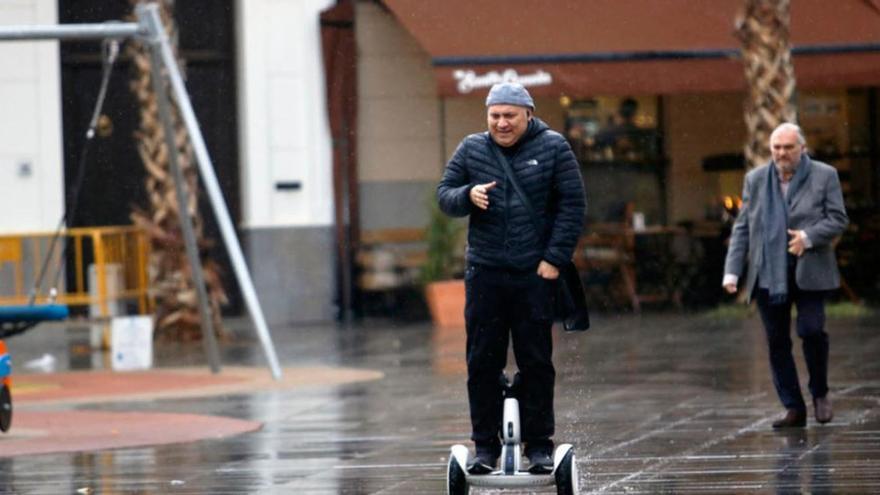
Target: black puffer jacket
(504,235)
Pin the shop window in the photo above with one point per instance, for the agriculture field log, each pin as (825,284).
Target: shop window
(617,142)
(837,125)
(841,129)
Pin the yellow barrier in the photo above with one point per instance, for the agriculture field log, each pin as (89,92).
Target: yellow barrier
(125,249)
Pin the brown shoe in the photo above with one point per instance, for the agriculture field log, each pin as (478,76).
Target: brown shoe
(793,419)
(823,410)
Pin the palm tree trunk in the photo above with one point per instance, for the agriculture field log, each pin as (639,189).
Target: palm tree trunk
(764,30)
(171,283)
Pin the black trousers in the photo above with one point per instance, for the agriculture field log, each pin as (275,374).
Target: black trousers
(810,328)
(502,304)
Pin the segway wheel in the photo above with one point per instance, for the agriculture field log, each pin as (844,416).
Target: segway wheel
(456,481)
(566,475)
(5,409)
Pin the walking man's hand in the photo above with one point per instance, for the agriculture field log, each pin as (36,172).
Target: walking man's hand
(796,244)
(480,195)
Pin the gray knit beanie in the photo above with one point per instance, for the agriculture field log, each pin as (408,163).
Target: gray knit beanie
(510,93)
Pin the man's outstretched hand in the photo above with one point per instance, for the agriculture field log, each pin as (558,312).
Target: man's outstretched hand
(480,195)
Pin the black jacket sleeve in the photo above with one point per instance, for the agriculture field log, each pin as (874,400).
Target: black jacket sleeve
(568,188)
(453,192)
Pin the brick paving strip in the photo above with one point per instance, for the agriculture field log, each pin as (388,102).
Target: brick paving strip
(39,431)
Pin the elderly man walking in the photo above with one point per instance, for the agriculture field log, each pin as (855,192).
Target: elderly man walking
(792,212)
(512,263)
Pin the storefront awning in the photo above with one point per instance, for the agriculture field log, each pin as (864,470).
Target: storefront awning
(588,47)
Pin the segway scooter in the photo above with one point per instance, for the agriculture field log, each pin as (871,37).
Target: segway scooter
(510,473)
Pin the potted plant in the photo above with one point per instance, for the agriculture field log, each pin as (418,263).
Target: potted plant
(444,265)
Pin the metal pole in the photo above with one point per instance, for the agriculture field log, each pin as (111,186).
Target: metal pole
(148,15)
(209,338)
(71,31)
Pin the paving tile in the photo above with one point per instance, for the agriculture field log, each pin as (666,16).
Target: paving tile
(656,403)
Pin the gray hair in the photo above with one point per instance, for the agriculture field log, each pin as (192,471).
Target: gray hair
(788,126)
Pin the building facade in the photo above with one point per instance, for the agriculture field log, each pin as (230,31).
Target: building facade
(424,69)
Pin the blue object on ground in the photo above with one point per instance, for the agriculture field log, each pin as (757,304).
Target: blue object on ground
(5,365)
(33,313)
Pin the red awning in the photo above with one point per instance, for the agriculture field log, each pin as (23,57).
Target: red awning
(588,47)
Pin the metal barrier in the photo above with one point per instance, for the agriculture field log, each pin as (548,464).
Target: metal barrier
(117,252)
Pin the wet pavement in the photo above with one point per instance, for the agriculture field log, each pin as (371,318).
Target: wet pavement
(663,403)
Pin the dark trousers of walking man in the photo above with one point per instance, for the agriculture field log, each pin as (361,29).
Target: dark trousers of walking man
(810,326)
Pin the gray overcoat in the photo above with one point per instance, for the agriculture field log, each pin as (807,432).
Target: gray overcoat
(817,209)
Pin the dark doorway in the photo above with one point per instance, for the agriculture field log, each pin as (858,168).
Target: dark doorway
(113,182)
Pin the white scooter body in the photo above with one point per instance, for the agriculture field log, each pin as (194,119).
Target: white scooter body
(510,473)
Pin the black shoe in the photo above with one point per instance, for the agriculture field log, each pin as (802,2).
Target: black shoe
(541,461)
(482,463)
(793,419)
(823,410)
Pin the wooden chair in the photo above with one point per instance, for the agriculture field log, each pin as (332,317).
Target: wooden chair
(657,269)
(607,254)
(389,262)
(843,260)
(390,258)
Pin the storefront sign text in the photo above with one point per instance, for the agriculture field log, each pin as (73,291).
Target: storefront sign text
(469,80)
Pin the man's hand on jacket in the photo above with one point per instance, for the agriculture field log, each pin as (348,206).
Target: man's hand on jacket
(798,242)
(548,271)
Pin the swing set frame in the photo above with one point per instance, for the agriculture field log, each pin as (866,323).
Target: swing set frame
(149,30)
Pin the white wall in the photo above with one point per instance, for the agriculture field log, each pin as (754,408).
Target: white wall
(283,118)
(31,168)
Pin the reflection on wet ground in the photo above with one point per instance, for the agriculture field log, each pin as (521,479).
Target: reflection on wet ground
(665,403)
